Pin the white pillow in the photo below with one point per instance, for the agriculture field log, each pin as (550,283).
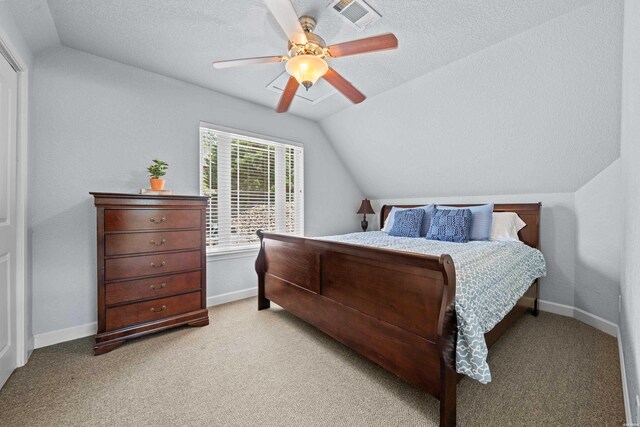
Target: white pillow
(505,226)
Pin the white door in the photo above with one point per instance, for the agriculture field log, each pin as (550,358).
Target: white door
(8,132)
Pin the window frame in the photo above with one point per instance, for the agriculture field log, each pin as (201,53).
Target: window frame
(251,249)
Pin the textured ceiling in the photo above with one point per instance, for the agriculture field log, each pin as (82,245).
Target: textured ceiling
(179,38)
(35,22)
(538,113)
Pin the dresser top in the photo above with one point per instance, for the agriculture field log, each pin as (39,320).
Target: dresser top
(123,199)
(99,195)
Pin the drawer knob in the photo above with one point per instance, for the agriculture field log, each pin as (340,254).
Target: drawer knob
(153,264)
(158,310)
(162,285)
(155,220)
(162,242)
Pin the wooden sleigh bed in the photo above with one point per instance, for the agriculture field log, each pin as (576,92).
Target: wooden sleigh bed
(395,308)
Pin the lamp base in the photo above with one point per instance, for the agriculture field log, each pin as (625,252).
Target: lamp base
(364,224)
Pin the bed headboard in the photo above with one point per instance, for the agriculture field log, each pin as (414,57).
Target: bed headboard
(529,212)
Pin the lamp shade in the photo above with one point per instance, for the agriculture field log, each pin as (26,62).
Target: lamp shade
(307,69)
(365,207)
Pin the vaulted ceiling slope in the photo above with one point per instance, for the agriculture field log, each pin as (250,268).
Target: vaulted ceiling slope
(181,38)
(539,112)
(35,22)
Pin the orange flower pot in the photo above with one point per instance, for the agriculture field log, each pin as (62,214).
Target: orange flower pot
(157,183)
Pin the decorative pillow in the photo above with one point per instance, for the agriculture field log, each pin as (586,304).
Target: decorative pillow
(505,226)
(426,219)
(481,217)
(450,225)
(407,223)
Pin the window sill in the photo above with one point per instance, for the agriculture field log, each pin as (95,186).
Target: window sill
(243,252)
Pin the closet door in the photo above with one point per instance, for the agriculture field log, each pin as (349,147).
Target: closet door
(8,254)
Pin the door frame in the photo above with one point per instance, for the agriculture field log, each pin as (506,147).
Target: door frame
(24,337)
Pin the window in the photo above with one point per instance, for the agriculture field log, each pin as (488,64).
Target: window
(253,184)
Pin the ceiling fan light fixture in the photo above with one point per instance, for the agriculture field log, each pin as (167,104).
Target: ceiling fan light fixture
(307,69)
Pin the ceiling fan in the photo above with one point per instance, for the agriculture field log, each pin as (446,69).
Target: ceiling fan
(308,54)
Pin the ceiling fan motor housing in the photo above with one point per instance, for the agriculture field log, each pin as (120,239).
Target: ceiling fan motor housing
(315,45)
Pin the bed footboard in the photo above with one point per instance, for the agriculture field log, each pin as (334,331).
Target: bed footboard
(395,308)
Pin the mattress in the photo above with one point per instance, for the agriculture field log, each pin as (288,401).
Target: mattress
(490,279)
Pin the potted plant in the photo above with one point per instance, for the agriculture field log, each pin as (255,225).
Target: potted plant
(156,171)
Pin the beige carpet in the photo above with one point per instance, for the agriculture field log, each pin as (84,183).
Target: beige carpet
(269,368)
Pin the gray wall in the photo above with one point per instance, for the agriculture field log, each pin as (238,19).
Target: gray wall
(97,124)
(557,235)
(599,243)
(10,32)
(630,157)
(536,113)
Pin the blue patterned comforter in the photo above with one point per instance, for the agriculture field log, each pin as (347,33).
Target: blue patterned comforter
(490,278)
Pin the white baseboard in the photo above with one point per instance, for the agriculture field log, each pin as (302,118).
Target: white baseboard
(555,308)
(623,372)
(585,317)
(61,335)
(232,296)
(30,347)
(597,322)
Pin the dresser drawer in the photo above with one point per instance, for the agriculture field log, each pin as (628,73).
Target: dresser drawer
(147,311)
(135,243)
(132,290)
(151,219)
(136,266)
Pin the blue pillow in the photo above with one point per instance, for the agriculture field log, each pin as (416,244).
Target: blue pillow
(407,223)
(450,225)
(481,217)
(426,219)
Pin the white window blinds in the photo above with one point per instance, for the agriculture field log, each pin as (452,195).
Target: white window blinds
(253,184)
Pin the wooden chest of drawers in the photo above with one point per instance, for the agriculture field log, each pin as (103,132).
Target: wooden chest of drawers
(151,265)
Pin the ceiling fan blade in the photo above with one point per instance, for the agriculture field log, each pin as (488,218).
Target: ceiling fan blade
(248,61)
(287,95)
(343,86)
(369,44)
(287,17)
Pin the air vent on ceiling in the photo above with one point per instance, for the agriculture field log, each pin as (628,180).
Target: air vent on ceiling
(356,12)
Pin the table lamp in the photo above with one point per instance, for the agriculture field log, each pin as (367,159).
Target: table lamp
(365,208)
